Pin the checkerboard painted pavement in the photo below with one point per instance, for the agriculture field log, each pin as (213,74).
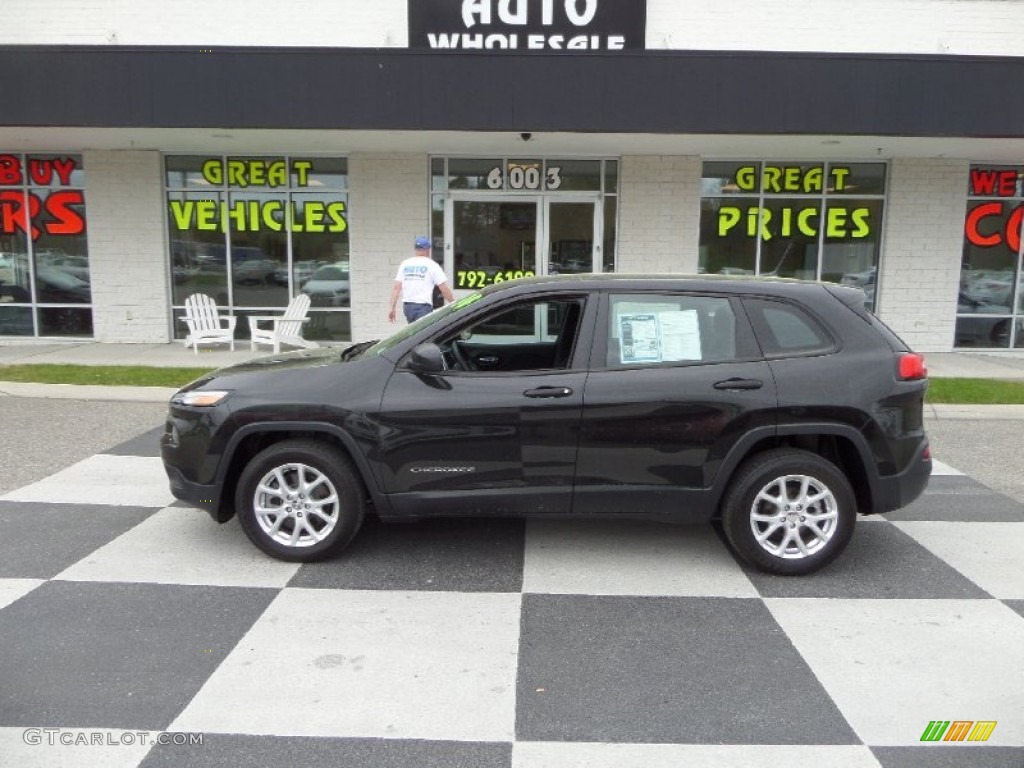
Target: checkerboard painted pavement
(485,643)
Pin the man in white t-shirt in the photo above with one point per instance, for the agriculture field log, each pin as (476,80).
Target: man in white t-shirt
(415,283)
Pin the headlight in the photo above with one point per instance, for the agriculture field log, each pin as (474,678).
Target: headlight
(200,397)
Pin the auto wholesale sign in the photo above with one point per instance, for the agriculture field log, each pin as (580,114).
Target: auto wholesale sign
(522,26)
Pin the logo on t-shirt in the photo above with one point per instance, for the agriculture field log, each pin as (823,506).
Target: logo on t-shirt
(415,273)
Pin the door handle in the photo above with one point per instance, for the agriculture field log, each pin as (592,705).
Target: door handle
(548,392)
(486,360)
(739,384)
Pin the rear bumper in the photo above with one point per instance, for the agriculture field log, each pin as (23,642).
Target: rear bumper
(899,490)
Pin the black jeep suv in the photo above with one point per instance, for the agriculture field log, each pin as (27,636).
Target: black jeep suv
(782,407)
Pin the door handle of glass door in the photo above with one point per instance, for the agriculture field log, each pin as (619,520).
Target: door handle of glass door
(548,392)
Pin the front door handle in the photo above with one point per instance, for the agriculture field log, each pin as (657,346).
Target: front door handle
(548,392)
(739,384)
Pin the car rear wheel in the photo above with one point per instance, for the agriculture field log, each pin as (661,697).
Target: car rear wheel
(300,500)
(789,512)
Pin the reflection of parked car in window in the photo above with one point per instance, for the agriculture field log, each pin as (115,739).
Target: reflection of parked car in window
(329,286)
(254,271)
(859,279)
(990,286)
(73,265)
(303,270)
(865,280)
(981,331)
(55,285)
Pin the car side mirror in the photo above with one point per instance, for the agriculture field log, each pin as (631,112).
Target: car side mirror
(426,358)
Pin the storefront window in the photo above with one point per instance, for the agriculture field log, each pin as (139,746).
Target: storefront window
(253,231)
(815,221)
(991,297)
(45,287)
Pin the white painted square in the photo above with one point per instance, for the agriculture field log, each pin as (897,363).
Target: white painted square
(547,754)
(400,665)
(940,468)
(181,545)
(989,554)
(48,746)
(629,558)
(15,589)
(134,481)
(892,666)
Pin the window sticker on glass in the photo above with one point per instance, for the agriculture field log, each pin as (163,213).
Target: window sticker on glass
(680,335)
(640,338)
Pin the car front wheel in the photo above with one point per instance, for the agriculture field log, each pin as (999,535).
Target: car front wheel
(789,512)
(300,500)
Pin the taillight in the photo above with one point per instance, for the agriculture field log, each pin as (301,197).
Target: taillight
(912,366)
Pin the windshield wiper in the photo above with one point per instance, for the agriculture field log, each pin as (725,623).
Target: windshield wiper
(355,349)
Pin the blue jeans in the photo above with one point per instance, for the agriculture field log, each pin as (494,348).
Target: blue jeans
(414,312)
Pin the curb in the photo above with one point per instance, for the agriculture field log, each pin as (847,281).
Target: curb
(949,412)
(86,392)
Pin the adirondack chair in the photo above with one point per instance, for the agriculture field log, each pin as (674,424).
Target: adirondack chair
(206,324)
(286,328)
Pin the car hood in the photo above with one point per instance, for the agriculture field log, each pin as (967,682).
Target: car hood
(262,367)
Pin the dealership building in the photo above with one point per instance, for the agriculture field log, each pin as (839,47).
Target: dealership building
(253,151)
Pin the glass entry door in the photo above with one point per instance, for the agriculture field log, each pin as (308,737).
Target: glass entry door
(571,234)
(496,239)
(491,241)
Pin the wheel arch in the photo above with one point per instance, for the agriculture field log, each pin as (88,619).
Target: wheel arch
(841,444)
(251,439)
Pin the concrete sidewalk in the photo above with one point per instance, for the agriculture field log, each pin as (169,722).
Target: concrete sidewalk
(1006,366)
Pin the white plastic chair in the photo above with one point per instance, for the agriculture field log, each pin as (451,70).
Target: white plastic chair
(206,324)
(287,328)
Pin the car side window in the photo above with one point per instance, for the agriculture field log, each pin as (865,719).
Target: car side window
(786,329)
(529,335)
(665,328)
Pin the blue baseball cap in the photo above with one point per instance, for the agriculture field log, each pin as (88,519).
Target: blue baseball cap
(422,243)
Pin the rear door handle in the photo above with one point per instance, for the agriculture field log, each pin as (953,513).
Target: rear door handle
(739,384)
(548,392)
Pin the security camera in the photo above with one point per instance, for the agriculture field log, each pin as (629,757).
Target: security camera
(526,136)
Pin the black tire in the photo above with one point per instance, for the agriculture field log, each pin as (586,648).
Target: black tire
(304,517)
(790,545)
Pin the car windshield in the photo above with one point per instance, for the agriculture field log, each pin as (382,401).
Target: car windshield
(424,322)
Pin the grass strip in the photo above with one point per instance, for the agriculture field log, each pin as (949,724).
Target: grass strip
(110,375)
(975,391)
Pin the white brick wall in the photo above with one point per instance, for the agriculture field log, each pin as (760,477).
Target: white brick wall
(921,253)
(328,23)
(986,27)
(659,213)
(388,208)
(127,251)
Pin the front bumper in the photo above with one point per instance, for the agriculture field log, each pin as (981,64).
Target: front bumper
(205,497)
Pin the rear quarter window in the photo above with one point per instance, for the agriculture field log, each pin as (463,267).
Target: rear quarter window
(786,329)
